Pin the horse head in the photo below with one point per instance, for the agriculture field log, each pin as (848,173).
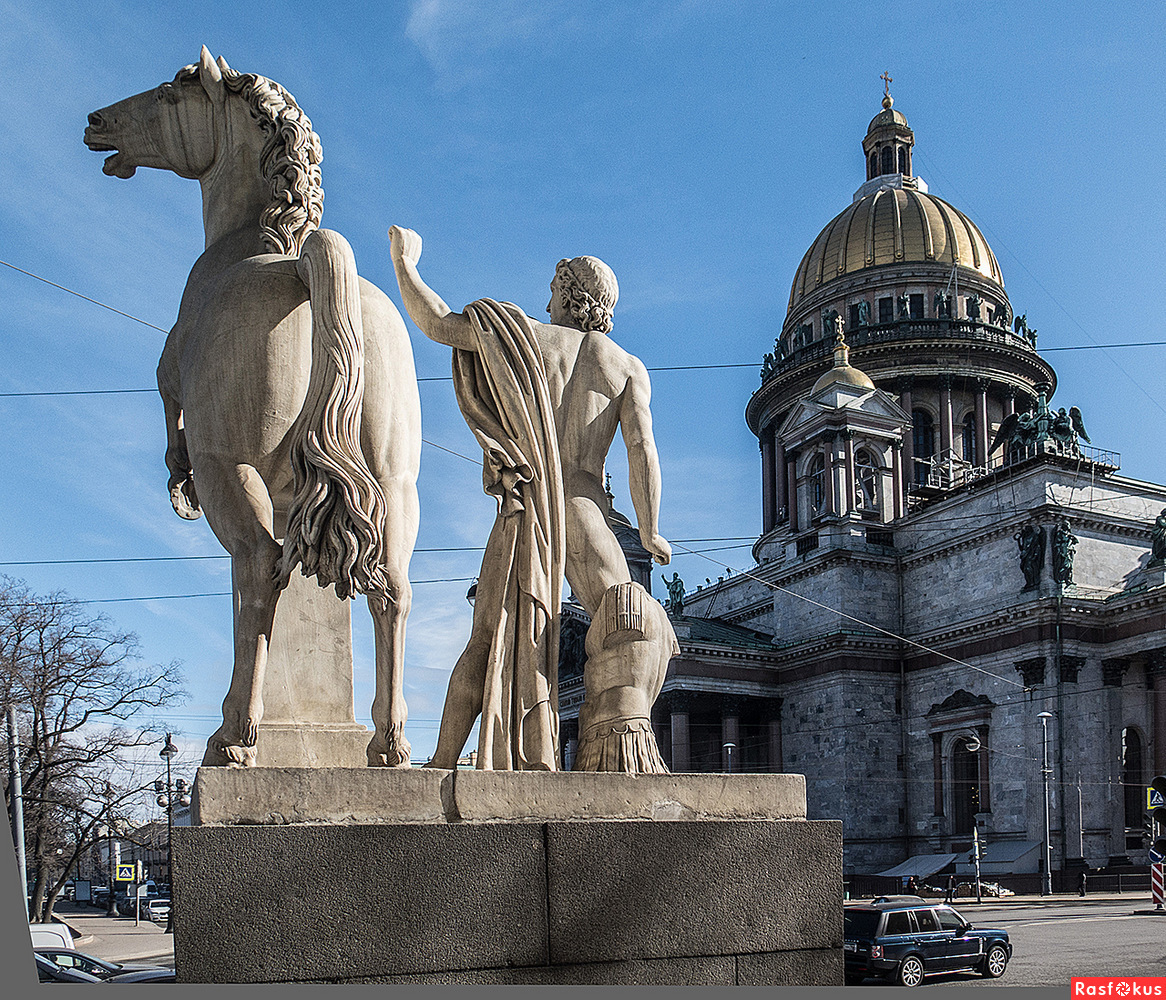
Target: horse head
(171,127)
(241,135)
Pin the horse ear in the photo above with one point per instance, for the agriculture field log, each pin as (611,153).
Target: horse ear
(210,76)
(223,65)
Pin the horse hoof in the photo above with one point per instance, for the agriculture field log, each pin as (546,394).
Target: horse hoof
(391,752)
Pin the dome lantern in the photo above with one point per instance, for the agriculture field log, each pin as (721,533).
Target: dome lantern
(888,141)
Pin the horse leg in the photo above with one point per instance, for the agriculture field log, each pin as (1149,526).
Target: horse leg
(240,512)
(183,497)
(389,747)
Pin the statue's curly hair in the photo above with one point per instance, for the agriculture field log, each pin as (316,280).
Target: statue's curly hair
(589,291)
(290,160)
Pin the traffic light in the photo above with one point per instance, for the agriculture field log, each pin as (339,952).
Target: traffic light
(1147,829)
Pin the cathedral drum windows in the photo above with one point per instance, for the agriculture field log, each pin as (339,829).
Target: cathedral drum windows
(923,444)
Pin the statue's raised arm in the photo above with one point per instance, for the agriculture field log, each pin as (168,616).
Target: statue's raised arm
(428,309)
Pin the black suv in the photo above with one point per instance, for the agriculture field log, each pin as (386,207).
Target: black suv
(905,938)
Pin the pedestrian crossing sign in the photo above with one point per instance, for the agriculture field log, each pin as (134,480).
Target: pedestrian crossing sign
(124,873)
(1154,799)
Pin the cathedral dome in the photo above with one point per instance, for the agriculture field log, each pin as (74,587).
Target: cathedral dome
(893,224)
(842,372)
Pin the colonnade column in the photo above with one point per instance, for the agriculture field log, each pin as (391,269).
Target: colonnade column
(898,505)
(768,481)
(1156,668)
(791,468)
(945,418)
(848,444)
(828,500)
(681,748)
(908,438)
(1009,402)
(981,422)
(780,478)
(776,763)
(937,773)
(730,733)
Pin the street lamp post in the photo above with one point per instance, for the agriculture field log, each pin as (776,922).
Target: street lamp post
(729,748)
(167,800)
(1046,772)
(110,911)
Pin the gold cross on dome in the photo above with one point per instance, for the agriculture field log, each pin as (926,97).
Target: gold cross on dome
(887,81)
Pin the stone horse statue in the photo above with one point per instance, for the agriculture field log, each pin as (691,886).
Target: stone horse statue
(288,384)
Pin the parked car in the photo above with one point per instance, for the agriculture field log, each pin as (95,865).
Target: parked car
(156,909)
(145,976)
(906,938)
(70,958)
(49,972)
(51,935)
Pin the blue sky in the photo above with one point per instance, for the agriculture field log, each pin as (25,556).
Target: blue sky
(698,148)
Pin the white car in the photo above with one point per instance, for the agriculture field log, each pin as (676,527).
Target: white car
(157,909)
(51,935)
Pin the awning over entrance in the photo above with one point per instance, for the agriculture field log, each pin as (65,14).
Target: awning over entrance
(1007,857)
(921,866)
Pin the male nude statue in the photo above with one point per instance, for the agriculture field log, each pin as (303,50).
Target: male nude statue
(593,387)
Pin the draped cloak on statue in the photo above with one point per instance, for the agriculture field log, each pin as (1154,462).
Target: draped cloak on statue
(503,394)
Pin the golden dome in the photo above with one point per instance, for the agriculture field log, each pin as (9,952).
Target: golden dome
(893,225)
(842,373)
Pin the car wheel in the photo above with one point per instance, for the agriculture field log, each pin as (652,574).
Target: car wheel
(995,962)
(911,971)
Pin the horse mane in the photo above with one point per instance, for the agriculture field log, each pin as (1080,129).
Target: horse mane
(289,161)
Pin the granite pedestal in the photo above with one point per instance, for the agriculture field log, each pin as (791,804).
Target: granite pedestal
(428,876)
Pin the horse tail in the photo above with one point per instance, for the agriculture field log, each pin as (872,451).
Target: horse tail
(335,527)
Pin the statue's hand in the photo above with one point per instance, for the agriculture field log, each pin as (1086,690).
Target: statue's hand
(404,244)
(660,549)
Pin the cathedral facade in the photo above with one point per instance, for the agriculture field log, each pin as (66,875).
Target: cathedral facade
(950,579)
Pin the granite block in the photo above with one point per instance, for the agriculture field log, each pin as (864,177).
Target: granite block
(295,903)
(811,967)
(655,890)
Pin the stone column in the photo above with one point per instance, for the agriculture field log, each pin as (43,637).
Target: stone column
(730,733)
(780,480)
(849,484)
(1112,671)
(937,773)
(945,418)
(1009,402)
(829,504)
(982,422)
(1156,669)
(791,468)
(776,760)
(681,752)
(908,437)
(898,503)
(768,477)
(985,780)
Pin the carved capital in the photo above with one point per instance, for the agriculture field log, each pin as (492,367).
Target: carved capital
(1070,667)
(1113,669)
(1032,670)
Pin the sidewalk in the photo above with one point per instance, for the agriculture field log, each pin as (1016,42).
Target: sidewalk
(116,939)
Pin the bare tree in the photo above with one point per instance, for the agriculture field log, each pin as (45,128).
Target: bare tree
(85,704)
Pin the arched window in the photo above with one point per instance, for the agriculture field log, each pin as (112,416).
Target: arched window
(817,484)
(965,787)
(1132,777)
(969,434)
(874,165)
(903,161)
(888,155)
(866,485)
(923,443)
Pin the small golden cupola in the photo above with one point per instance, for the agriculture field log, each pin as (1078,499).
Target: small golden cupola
(842,373)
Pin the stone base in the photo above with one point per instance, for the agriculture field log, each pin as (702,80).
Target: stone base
(423,894)
(316,745)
